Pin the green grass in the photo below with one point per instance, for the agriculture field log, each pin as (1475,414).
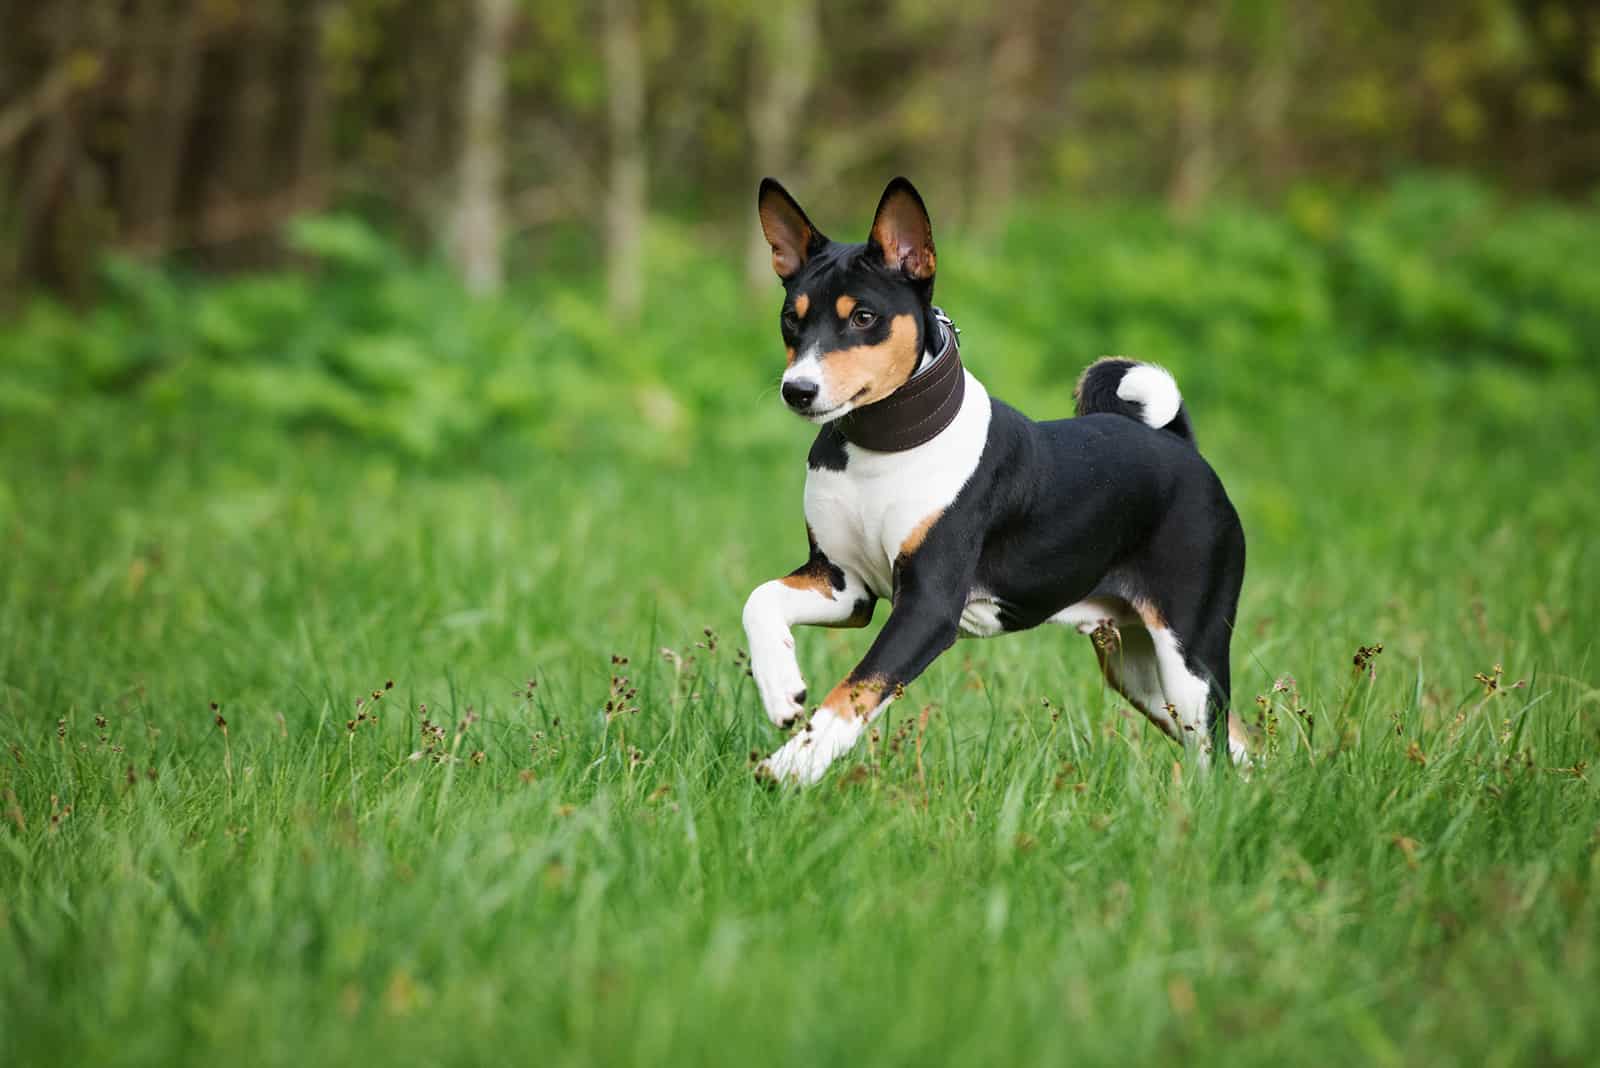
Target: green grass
(1413,877)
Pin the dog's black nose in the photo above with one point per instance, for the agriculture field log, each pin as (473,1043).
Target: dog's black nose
(799,394)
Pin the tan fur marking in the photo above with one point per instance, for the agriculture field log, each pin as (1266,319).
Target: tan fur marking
(1149,613)
(809,580)
(844,306)
(788,352)
(856,699)
(802,304)
(919,533)
(868,373)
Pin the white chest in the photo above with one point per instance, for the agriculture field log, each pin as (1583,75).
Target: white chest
(862,515)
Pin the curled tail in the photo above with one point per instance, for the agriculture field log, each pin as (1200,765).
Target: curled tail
(1139,391)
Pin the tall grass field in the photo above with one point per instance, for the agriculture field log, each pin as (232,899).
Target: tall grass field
(372,688)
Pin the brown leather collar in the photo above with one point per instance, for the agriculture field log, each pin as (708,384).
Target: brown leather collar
(917,411)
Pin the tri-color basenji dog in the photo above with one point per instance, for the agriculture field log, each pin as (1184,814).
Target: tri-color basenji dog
(971,518)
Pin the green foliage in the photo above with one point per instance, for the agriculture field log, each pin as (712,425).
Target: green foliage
(377,345)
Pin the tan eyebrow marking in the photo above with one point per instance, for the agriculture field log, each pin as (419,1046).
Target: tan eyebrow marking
(802,304)
(844,306)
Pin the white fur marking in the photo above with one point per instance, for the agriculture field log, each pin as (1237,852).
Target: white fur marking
(980,618)
(1088,614)
(1155,389)
(768,614)
(1186,692)
(807,367)
(804,759)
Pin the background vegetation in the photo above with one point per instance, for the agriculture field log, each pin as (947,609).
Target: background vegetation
(305,388)
(480,127)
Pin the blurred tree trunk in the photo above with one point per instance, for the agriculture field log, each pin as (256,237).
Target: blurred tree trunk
(1194,170)
(60,208)
(625,193)
(477,228)
(785,69)
(313,154)
(1272,89)
(247,167)
(1013,58)
(168,47)
(425,127)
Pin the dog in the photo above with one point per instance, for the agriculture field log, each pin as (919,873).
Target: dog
(970,518)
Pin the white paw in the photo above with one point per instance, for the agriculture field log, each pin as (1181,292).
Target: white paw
(782,687)
(805,757)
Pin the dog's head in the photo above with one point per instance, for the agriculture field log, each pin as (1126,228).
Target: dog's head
(856,318)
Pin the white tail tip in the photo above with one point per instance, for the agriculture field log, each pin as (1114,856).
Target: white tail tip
(1155,390)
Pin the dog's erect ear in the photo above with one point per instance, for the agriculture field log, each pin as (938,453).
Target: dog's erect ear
(789,232)
(901,232)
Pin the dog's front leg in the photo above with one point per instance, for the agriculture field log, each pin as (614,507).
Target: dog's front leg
(927,613)
(818,594)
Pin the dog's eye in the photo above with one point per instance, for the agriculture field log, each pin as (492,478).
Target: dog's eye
(791,321)
(862,318)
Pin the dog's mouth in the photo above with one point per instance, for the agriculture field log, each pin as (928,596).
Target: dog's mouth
(824,416)
(828,415)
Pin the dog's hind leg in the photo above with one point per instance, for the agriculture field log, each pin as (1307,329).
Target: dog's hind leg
(1127,655)
(1130,663)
